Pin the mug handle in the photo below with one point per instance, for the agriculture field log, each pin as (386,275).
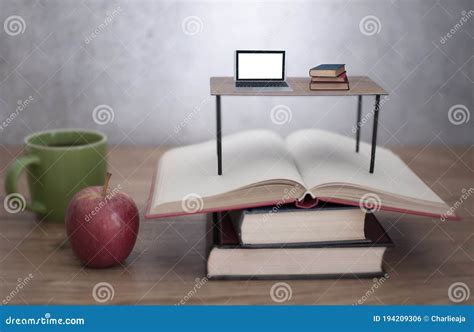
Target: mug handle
(11,177)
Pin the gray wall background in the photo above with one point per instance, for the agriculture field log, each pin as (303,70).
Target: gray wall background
(154,72)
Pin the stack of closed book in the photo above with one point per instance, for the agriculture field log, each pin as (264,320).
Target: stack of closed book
(329,77)
(326,241)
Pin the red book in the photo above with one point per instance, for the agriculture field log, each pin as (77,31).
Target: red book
(339,79)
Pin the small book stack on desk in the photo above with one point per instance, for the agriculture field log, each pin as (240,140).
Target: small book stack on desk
(326,241)
(328,77)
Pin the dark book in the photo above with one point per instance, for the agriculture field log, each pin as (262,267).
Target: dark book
(342,78)
(327,70)
(229,260)
(292,227)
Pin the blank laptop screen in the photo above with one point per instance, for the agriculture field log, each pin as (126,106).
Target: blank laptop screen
(260,66)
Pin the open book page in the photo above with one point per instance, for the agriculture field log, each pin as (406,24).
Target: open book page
(249,158)
(328,158)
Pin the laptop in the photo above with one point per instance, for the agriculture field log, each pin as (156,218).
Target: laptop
(260,71)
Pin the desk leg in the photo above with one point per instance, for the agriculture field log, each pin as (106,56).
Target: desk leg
(374,132)
(219,134)
(359,115)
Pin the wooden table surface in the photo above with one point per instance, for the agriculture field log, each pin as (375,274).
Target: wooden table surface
(358,86)
(428,257)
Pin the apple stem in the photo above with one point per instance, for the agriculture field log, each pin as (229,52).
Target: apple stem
(106,184)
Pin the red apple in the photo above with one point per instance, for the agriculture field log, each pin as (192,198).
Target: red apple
(102,225)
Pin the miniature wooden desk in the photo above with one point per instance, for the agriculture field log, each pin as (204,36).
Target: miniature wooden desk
(359,86)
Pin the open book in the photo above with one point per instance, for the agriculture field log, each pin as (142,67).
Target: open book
(261,168)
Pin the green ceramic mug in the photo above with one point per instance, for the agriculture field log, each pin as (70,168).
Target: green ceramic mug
(58,164)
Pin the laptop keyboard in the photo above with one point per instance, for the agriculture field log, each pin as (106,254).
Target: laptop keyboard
(267,84)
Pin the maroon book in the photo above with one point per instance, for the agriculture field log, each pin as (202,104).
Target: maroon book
(339,79)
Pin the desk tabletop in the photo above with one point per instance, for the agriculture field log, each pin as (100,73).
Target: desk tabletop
(358,86)
(170,253)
